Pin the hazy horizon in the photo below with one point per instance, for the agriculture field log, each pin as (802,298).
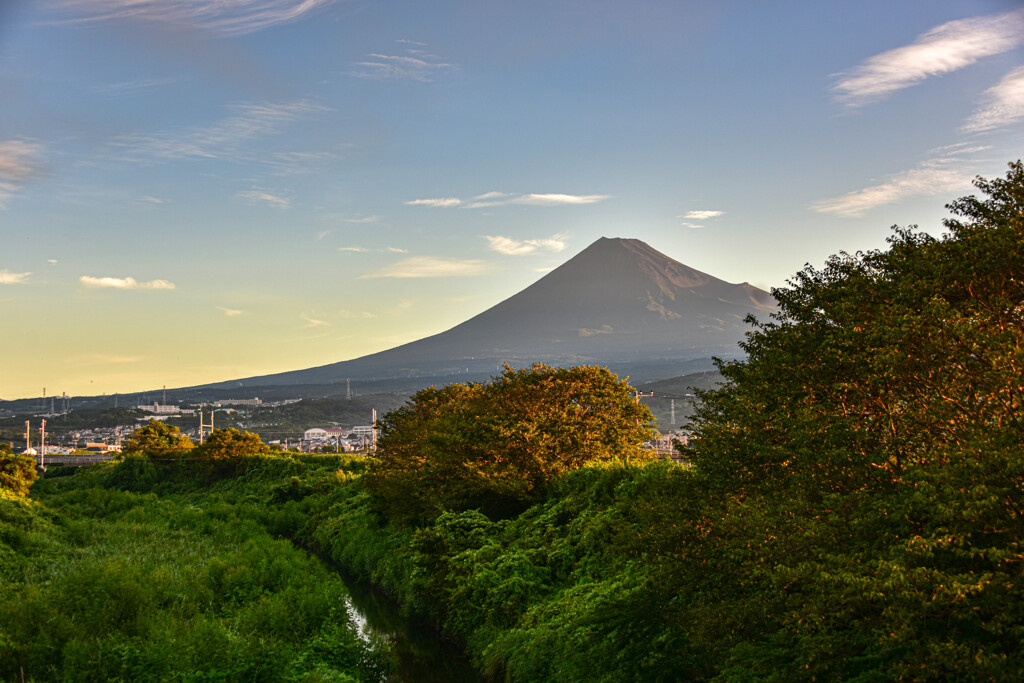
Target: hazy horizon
(194,191)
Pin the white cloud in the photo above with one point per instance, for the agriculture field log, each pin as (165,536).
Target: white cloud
(944,49)
(931,177)
(512,247)
(701,215)
(363,219)
(264,197)
(358,250)
(52,261)
(445,202)
(416,65)
(555,199)
(229,138)
(396,250)
(231,312)
(123,283)
(9,278)
(19,161)
(504,199)
(691,225)
(430,266)
(1003,104)
(234,17)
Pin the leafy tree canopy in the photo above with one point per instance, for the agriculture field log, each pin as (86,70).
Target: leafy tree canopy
(228,444)
(17,473)
(496,446)
(157,440)
(867,457)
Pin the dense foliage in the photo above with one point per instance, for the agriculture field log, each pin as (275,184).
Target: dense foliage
(99,582)
(157,440)
(17,472)
(497,446)
(855,508)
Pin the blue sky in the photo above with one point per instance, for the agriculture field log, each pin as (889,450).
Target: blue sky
(195,190)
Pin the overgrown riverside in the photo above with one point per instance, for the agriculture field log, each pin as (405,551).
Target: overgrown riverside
(854,510)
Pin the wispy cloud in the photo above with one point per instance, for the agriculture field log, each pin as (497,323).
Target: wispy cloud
(123,283)
(19,161)
(415,65)
(396,250)
(298,163)
(229,138)
(687,224)
(146,199)
(505,198)
(236,17)
(356,315)
(231,312)
(944,49)
(1003,104)
(264,197)
(9,278)
(445,202)
(512,247)
(556,199)
(701,215)
(430,266)
(931,177)
(312,322)
(357,250)
(363,219)
(125,87)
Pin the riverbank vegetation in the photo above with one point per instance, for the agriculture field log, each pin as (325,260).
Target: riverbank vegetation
(853,510)
(143,571)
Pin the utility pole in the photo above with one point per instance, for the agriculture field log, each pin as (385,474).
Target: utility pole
(42,444)
(201,425)
(673,420)
(640,395)
(28,433)
(373,432)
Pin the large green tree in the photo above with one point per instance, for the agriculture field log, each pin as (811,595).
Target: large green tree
(17,473)
(867,461)
(157,440)
(496,446)
(229,444)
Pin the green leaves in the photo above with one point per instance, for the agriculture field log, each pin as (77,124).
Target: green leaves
(497,446)
(157,440)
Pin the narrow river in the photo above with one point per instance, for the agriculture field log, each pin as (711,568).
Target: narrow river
(422,654)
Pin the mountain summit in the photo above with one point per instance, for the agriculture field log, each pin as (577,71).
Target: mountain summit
(617,303)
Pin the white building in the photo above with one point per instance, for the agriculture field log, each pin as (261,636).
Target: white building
(315,434)
(158,409)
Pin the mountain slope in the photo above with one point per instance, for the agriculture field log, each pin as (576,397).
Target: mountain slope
(617,302)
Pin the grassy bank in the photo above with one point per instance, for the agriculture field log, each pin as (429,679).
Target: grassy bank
(178,579)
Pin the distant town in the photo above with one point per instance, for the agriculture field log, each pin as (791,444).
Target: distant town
(47,435)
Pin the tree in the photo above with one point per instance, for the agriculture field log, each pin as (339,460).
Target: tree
(497,446)
(866,459)
(157,440)
(17,473)
(230,444)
